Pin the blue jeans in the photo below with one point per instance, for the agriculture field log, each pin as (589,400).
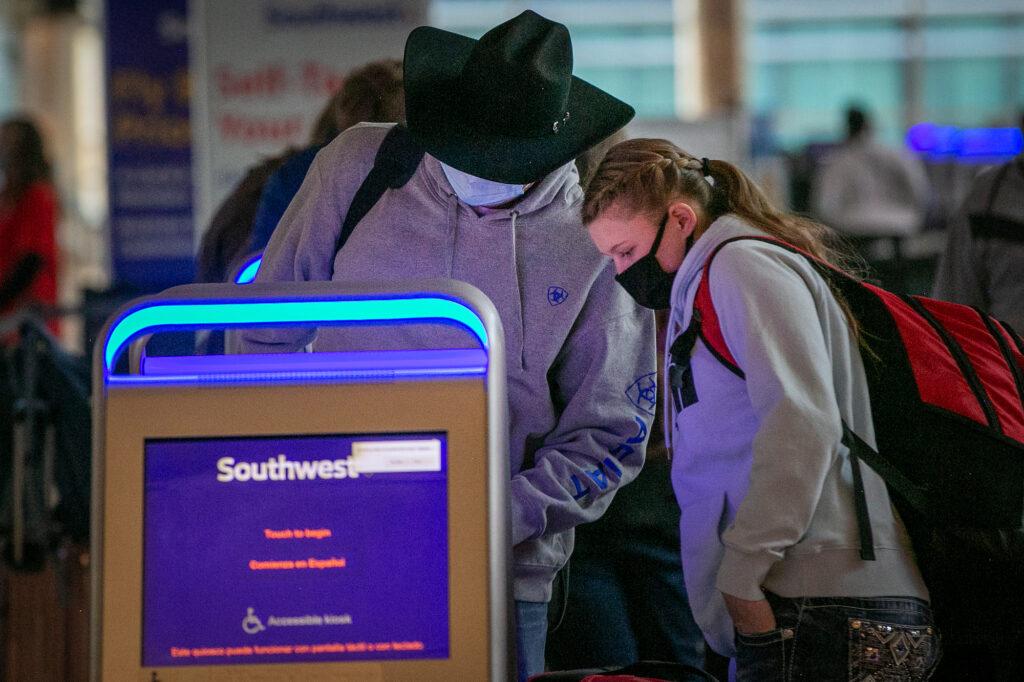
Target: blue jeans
(531,634)
(842,639)
(626,604)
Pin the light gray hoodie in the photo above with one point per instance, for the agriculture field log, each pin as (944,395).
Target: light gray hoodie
(580,352)
(763,480)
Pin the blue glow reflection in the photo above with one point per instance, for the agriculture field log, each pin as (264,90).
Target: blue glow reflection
(248,272)
(965,143)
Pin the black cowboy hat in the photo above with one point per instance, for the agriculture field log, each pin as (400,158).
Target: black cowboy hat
(506,107)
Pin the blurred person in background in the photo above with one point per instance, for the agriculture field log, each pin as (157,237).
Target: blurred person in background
(227,238)
(371,94)
(867,190)
(245,220)
(983,264)
(28,218)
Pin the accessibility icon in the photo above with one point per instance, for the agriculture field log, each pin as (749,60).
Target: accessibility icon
(251,623)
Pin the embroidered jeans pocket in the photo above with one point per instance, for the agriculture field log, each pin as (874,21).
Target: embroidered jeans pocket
(884,652)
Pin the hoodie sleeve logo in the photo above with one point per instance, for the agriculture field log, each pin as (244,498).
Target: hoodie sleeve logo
(557,295)
(643,393)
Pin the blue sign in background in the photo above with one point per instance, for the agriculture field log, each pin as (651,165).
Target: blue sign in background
(204,604)
(149,143)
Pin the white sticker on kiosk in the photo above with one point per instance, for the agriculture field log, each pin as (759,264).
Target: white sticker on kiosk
(396,456)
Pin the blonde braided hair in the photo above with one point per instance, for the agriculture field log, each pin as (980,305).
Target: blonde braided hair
(645,175)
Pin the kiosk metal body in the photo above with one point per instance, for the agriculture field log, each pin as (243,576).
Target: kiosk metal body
(453,400)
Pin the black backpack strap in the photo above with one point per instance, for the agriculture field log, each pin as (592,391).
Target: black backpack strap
(895,481)
(867,539)
(397,159)
(680,373)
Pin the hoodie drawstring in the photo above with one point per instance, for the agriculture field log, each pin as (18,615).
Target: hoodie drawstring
(519,291)
(668,424)
(453,233)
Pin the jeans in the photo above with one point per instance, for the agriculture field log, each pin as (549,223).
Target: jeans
(531,634)
(626,604)
(842,639)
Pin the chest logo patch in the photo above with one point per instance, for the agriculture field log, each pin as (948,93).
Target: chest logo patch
(643,392)
(557,295)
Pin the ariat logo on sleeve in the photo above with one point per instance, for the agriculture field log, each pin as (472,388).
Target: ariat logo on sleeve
(643,392)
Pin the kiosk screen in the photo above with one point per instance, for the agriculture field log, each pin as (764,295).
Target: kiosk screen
(297,549)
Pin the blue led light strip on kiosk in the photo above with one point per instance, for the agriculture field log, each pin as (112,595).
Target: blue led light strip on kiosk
(286,312)
(168,313)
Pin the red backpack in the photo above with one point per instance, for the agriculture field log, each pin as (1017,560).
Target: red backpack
(947,401)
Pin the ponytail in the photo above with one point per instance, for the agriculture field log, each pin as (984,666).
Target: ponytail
(736,193)
(645,175)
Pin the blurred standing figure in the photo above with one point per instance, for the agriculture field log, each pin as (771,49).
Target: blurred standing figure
(371,94)
(245,220)
(28,218)
(226,239)
(984,258)
(868,190)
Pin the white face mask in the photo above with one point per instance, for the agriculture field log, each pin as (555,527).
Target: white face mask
(479,192)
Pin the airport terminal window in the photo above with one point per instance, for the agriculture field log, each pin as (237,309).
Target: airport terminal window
(965,93)
(941,62)
(626,49)
(968,69)
(804,75)
(633,63)
(806,100)
(650,91)
(8,85)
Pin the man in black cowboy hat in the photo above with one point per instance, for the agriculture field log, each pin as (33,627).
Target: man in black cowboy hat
(495,202)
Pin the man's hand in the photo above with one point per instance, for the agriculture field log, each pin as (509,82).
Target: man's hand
(750,617)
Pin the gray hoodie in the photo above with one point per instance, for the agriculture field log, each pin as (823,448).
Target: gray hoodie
(762,477)
(580,352)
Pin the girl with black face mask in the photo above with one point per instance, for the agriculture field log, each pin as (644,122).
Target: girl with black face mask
(769,535)
(646,280)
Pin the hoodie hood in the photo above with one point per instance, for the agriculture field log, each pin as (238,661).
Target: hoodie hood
(726,227)
(684,289)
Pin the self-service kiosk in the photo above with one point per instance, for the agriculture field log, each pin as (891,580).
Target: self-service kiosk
(315,516)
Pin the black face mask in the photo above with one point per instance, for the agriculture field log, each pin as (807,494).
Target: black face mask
(645,281)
